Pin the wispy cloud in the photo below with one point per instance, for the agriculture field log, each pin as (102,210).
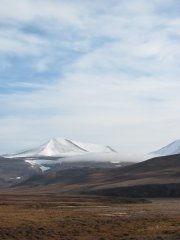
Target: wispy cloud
(101,71)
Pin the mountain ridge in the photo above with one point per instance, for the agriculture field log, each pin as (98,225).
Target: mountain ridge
(61,147)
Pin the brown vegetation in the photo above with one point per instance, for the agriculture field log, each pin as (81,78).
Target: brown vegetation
(46,217)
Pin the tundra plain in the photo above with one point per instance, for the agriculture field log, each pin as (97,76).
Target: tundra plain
(51,216)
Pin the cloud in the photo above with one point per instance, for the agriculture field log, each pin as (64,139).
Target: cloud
(100,71)
(42,65)
(31,10)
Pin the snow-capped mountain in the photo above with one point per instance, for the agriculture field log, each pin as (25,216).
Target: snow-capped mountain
(58,154)
(60,147)
(170,149)
(64,153)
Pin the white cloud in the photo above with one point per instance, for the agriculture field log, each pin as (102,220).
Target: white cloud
(16,42)
(42,65)
(122,90)
(32,10)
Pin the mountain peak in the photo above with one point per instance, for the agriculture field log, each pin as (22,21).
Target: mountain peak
(61,147)
(170,149)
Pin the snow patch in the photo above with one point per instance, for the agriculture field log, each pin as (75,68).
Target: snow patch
(43,168)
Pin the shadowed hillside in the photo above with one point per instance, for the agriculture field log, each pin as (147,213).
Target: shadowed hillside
(157,177)
(15,170)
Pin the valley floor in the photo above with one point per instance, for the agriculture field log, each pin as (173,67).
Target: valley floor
(46,217)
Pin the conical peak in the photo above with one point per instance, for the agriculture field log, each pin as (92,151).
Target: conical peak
(60,147)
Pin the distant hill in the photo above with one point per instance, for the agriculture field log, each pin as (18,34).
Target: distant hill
(157,177)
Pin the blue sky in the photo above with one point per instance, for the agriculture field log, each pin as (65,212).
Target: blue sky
(97,71)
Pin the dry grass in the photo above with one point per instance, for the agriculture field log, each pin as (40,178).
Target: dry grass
(87,218)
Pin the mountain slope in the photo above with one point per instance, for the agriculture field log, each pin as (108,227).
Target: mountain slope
(14,171)
(158,177)
(59,147)
(170,149)
(57,154)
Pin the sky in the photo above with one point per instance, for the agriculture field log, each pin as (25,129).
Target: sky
(101,71)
